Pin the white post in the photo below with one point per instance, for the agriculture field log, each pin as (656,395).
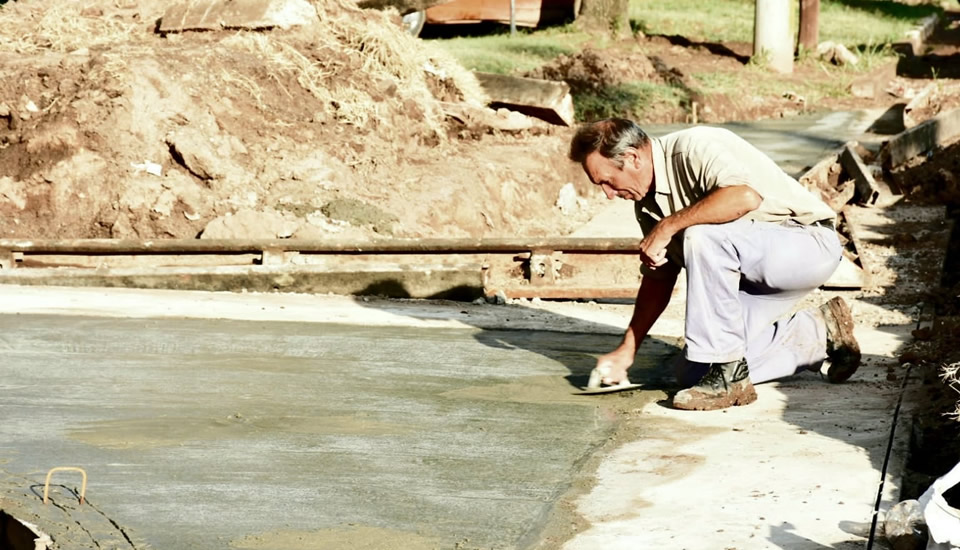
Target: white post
(772,37)
(513,17)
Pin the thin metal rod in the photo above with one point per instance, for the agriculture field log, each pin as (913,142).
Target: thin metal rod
(83,486)
(392,246)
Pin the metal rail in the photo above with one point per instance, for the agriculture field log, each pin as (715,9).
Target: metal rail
(312,246)
(528,268)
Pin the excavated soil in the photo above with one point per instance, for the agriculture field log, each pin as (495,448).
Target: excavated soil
(333,130)
(257,134)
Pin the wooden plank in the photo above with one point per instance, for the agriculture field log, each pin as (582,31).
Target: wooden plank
(847,275)
(235,14)
(939,130)
(544,99)
(854,232)
(919,101)
(868,189)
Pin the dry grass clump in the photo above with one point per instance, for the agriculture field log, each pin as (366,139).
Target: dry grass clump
(283,62)
(35,28)
(352,53)
(387,50)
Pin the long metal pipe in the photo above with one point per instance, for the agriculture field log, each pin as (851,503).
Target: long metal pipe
(392,246)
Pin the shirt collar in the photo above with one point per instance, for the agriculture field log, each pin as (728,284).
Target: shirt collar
(662,185)
(658,201)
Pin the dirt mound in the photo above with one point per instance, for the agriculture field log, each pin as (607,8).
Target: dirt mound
(933,180)
(592,70)
(109,129)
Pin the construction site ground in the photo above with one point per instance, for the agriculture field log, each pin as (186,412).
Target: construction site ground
(217,420)
(269,421)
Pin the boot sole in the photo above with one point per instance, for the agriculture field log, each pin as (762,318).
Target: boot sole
(742,395)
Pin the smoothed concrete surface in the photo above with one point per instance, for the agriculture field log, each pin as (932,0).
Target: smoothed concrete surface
(263,434)
(210,433)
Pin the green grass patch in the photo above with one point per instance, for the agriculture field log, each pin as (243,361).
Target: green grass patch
(869,22)
(712,20)
(850,22)
(866,27)
(505,54)
(630,100)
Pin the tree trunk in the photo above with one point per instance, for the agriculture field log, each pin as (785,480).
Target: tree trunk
(809,35)
(611,16)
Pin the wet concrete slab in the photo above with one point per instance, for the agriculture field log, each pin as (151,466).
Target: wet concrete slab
(466,434)
(218,433)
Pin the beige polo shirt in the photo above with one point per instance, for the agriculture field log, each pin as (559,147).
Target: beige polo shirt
(690,163)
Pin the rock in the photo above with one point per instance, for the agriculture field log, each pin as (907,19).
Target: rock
(567,199)
(252,224)
(904,526)
(500,298)
(55,137)
(165,203)
(123,229)
(14,192)
(835,53)
(193,152)
(790,95)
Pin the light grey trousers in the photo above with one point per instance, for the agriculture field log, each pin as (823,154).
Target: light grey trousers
(743,277)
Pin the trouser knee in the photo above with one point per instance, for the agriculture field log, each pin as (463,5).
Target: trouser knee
(701,239)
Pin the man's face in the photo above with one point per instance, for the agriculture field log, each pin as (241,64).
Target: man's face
(632,182)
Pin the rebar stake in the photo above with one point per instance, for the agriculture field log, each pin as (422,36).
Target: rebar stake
(83,485)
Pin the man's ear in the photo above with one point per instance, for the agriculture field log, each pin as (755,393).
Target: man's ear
(631,157)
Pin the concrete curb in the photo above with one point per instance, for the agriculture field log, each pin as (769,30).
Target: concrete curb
(915,39)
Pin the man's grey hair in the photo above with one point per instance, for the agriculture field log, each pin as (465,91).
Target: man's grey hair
(611,138)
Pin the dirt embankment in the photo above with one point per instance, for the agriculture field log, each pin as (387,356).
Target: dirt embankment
(333,129)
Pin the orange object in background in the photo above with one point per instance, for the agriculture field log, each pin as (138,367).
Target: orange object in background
(529,13)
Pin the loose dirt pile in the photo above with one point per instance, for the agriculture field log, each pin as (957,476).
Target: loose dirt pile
(592,70)
(332,129)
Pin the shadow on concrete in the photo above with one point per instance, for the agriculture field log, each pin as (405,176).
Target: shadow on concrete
(783,537)
(575,348)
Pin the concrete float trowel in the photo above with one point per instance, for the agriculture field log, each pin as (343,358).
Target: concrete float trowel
(596,386)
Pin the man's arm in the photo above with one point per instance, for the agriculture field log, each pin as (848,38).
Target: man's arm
(722,205)
(652,299)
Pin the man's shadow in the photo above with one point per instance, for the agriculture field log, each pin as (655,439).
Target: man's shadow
(573,342)
(578,351)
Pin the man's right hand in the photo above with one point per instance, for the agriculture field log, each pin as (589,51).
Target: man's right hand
(611,368)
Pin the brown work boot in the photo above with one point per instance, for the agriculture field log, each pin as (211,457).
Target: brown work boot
(724,385)
(843,351)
